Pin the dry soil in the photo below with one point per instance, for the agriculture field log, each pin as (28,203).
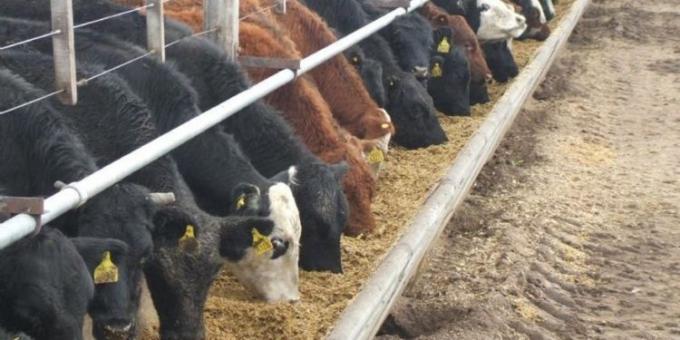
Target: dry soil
(573,229)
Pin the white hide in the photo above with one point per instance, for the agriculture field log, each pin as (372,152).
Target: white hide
(499,21)
(278,279)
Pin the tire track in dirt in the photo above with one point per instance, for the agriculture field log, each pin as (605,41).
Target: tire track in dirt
(573,229)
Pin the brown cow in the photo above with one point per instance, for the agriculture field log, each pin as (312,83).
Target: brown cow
(464,36)
(337,80)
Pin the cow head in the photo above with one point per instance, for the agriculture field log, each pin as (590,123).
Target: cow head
(112,308)
(411,39)
(317,187)
(123,212)
(265,259)
(537,27)
(412,112)
(496,20)
(449,84)
(501,61)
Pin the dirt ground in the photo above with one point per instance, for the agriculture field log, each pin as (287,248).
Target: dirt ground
(573,229)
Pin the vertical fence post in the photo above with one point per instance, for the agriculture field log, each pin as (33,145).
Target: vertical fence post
(223,15)
(63,51)
(281,6)
(155,29)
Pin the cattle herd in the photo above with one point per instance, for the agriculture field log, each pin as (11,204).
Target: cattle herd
(267,191)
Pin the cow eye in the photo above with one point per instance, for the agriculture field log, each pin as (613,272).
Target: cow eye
(484,7)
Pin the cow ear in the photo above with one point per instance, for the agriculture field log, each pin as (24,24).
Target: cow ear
(246,197)
(238,234)
(175,228)
(339,170)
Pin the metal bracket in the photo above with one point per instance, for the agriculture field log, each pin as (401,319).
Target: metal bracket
(264,62)
(34,206)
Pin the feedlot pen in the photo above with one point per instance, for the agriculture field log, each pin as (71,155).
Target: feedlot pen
(233,313)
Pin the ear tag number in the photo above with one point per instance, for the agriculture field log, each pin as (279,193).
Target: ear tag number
(261,243)
(106,271)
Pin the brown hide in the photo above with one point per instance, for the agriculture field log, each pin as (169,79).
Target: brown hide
(302,106)
(337,80)
(463,35)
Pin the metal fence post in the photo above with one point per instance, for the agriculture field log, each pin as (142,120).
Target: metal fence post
(155,29)
(63,50)
(223,15)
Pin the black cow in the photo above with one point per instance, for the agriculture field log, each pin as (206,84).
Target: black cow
(43,149)
(371,72)
(449,82)
(177,277)
(410,37)
(45,288)
(408,102)
(500,60)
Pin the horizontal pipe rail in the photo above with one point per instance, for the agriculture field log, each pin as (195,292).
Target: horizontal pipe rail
(77,193)
(364,316)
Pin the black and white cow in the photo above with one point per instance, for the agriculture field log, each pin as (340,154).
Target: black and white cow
(501,62)
(494,20)
(449,82)
(408,102)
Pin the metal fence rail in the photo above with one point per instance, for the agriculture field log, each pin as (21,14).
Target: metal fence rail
(77,193)
(364,316)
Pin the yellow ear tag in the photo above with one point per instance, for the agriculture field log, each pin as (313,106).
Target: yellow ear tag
(375,156)
(241,202)
(188,241)
(444,46)
(106,271)
(437,71)
(261,243)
